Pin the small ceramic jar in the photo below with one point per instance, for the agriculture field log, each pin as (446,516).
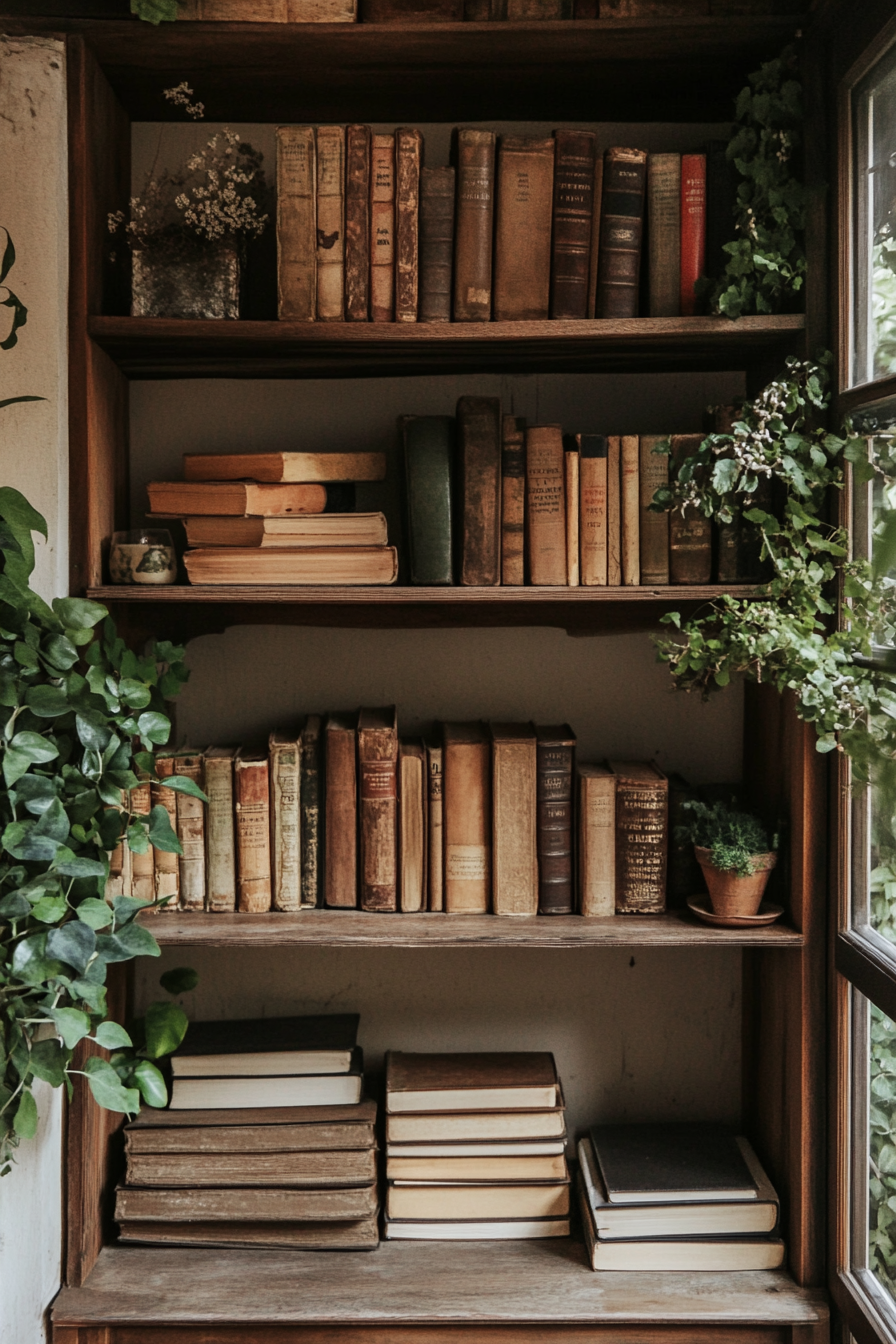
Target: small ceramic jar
(143,557)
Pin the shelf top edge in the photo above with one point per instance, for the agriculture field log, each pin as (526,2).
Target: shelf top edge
(407,595)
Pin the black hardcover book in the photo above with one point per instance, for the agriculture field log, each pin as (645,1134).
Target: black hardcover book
(670,1164)
(330,1031)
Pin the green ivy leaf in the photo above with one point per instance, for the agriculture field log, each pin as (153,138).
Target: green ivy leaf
(25,1123)
(151,1084)
(107,1089)
(165,1026)
(72,1025)
(179,980)
(111,1036)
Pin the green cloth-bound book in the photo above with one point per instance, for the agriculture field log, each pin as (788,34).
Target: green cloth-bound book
(428,459)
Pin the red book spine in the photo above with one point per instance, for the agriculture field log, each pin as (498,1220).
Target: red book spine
(693,228)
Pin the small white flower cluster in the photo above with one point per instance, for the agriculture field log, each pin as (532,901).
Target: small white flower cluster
(180,95)
(215,207)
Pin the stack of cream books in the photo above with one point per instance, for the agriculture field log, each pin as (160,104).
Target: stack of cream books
(475,1147)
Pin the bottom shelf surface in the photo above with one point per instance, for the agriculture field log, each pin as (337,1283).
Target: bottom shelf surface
(540,1283)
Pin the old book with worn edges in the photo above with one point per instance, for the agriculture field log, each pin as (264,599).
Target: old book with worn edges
(592,509)
(288,468)
(165,866)
(301,531)
(221,857)
(477,1201)
(671,1163)
(252,1204)
(252,1129)
(357,223)
(664,233)
(513,1148)
(361,1234)
(436,243)
(428,444)
(479,482)
(467,818)
(473,1170)
(571,498)
(180,499)
(476,1127)
(330,223)
(413,791)
(654,527)
(325,565)
(630,498)
(408,155)
(546,505)
(320,1043)
(690,531)
(514,820)
(378,808)
(475,153)
(341,812)
(614,510)
(294,1089)
(435,848)
(642,837)
(597,840)
(693,229)
(513,499)
(191,833)
(622,220)
(382,228)
(571,235)
(296,223)
(253,812)
(309,1170)
(523,205)
(507,1080)
(556,749)
(594,257)
(284,754)
(311,791)
(480,1229)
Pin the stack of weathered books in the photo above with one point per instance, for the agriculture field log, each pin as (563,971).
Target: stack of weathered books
(267,1142)
(475,1147)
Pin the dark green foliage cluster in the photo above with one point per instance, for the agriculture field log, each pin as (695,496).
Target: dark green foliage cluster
(732,837)
(155,11)
(882,1155)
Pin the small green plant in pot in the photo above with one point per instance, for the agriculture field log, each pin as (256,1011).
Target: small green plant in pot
(734,853)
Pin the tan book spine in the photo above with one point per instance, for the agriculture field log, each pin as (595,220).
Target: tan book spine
(221,832)
(296,223)
(513,500)
(413,790)
(341,815)
(357,223)
(571,479)
(382,228)
(654,540)
(408,155)
(191,834)
(473,229)
(330,223)
(253,831)
(524,204)
(597,841)
(165,874)
(545,505)
(467,819)
(378,809)
(140,803)
(593,509)
(614,511)
(642,838)
(514,820)
(630,452)
(436,839)
(594,257)
(286,871)
(664,233)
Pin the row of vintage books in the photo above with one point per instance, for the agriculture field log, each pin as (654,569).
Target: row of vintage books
(409,12)
(484,818)
(518,228)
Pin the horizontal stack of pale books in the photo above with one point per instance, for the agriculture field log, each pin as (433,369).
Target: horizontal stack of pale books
(675,1197)
(475,1147)
(263,518)
(267,1141)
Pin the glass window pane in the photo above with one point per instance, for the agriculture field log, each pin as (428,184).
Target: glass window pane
(874,336)
(882,1150)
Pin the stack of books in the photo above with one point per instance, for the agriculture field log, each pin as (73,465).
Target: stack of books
(675,1197)
(263,518)
(475,1148)
(267,1142)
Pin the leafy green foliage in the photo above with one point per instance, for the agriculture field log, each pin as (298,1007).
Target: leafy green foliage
(155,11)
(767,262)
(732,837)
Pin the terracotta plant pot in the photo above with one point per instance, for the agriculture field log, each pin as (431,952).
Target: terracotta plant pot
(732,895)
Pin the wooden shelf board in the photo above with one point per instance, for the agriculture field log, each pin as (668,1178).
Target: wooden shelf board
(414,1283)
(395,596)
(155,347)
(357,928)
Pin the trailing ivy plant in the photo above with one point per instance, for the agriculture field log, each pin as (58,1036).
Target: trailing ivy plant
(80,714)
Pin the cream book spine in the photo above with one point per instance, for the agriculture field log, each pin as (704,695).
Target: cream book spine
(330,223)
(191,834)
(630,455)
(253,820)
(436,845)
(597,841)
(285,775)
(296,223)
(514,820)
(571,478)
(221,881)
(614,512)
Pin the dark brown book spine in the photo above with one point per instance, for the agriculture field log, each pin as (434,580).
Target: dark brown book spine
(479,461)
(408,152)
(642,839)
(473,231)
(555,764)
(573,204)
(622,222)
(341,814)
(378,809)
(525,186)
(690,531)
(357,223)
(436,243)
(513,500)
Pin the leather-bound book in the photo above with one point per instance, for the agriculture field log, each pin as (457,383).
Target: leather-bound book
(514,820)
(479,472)
(693,228)
(165,876)
(473,228)
(408,154)
(654,527)
(357,223)
(629,454)
(690,531)
(435,843)
(218,764)
(428,444)
(664,233)
(382,228)
(513,500)
(721,203)
(253,830)
(555,749)
(596,840)
(330,223)
(545,505)
(525,188)
(621,227)
(593,509)
(284,758)
(642,837)
(143,871)
(571,497)
(296,223)
(614,511)
(436,243)
(191,833)
(413,792)
(594,254)
(341,812)
(311,789)
(283,469)
(378,808)
(467,818)
(571,234)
